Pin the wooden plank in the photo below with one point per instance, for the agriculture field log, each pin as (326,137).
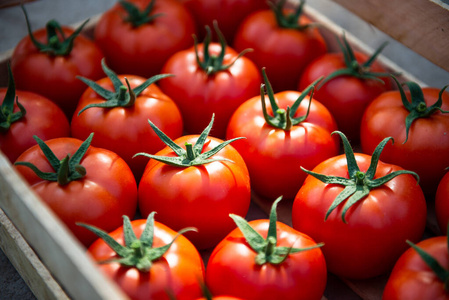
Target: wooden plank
(64,256)
(422,26)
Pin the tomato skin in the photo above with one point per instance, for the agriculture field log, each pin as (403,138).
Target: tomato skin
(197,196)
(43,118)
(101,198)
(377,226)
(425,151)
(284,52)
(144,49)
(199,95)
(412,278)
(274,156)
(345,96)
(125,130)
(442,204)
(54,77)
(302,275)
(180,270)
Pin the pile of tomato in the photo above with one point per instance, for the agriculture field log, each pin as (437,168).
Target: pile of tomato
(150,139)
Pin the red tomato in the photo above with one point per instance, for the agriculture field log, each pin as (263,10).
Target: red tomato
(284,49)
(177,274)
(258,274)
(366,239)
(346,96)
(125,130)
(101,197)
(41,117)
(413,279)
(274,155)
(143,48)
(228,13)
(442,204)
(54,76)
(199,91)
(201,196)
(426,149)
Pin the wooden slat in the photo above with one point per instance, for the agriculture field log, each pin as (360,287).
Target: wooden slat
(421,25)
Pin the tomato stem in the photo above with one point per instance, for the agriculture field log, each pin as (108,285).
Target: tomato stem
(7,114)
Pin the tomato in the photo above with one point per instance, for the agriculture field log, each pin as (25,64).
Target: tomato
(209,78)
(365,234)
(274,153)
(420,146)
(52,72)
(442,203)
(149,260)
(121,123)
(138,36)
(30,115)
(266,259)
(349,85)
(283,44)
(228,13)
(81,183)
(191,188)
(412,278)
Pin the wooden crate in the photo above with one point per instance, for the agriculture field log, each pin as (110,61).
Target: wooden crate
(54,264)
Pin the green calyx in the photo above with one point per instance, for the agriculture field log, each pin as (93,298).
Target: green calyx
(434,265)
(353,67)
(66,170)
(54,46)
(137,253)
(139,17)
(191,156)
(7,114)
(122,96)
(359,184)
(417,107)
(288,20)
(284,119)
(212,64)
(267,249)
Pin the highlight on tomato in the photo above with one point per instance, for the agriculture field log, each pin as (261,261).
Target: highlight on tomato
(48,60)
(282,132)
(418,119)
(25,114)
(267,259)
(362,209)
(422,272)
(117,108)
(149,260)
(210,78)
(196,181)
(80,183)
(284,41)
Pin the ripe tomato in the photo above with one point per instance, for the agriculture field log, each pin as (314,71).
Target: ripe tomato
(273,153)
(421,138)
(442,204)
(228,13)
(198,191)
(32,114)
(138,36)
(348,94)
(413,279)
(209,78)
(266,259)
(365,234)
(52,72)
(281,43)
(142,265)
(98,187)
(121,123)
